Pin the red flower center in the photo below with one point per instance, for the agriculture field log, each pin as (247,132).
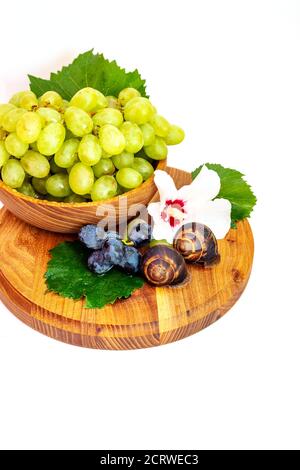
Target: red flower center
(173,212)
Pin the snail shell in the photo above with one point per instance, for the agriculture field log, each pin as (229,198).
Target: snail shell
(197,244)
(162,266)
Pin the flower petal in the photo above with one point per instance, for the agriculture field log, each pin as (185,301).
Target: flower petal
(205,187)
(154,209)
(215,214)
(163,231)
(165,185)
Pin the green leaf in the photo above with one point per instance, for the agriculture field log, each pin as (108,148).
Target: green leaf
(69,276)
(89,70)
(235,189)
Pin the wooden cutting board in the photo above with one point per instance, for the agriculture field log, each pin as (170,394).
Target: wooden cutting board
(151,317)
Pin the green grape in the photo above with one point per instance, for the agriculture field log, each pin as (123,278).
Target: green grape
(29,127)
(123,160)
(74,198)
(51,138)
(81,179)
(51,99)
(15,99)
(65,104)
(15,146)
(120,190)
(143,167)
(160,125)
(69,135)
(4,155)
(104,167)
(55,168)
(142,154)
(28,101)
(58,185)
(3,134)
(139,110)
(105,154)
(35,164)
(127,94)
(49,115)
(5,108)
(101,101)
(89,100)
(10,119)
(89,150)
(112,102)
(70,167)
(104,188)
(13,174)
(158,150)
(108,116)
(129,178)
(133,137)
(66,155)
(51,198)
(28,190)
(78,121)
(39,185)
(124,190)
(148,133)
(111,139)
(175,135)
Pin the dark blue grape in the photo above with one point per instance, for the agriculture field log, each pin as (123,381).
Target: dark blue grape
(93,236)
(139,232)
(131,260)
(112,235)
(113,250)
(103,234)
(109,251)
(100,233)
(98,264)
(88,236)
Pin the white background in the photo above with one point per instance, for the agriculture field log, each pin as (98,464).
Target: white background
(229,73)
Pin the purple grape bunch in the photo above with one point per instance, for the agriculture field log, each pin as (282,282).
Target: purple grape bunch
(108,249)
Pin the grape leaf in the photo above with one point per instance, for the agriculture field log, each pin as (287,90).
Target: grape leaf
(235,189)
(68,275)
(89,70)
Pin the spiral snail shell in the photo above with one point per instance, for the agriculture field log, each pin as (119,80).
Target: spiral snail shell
(162,265)
(197,244)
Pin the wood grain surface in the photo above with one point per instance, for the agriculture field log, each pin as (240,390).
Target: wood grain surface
(151,317)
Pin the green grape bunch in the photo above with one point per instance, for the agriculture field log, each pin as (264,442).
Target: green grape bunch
(93,147)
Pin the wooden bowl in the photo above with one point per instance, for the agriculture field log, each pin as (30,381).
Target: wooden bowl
(70,217)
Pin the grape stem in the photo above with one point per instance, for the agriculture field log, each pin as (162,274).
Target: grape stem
(128,242)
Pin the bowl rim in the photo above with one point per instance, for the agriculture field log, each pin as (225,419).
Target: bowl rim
(162,164)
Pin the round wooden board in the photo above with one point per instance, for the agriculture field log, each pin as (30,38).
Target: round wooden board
(150,317)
